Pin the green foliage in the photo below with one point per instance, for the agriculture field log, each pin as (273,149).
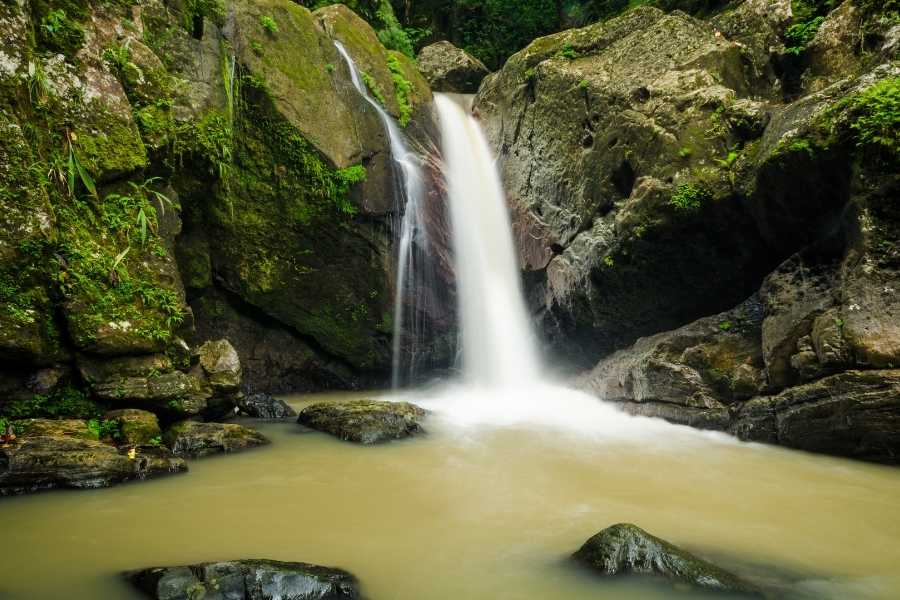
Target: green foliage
(609,262)
(689,197)
(373,88)
(568,52)
(380,15)
(492,30)
(199,9)
(726,326)
(402,89)
(799,35)
(269,24)
(66,403)
(875,115)
(685,152)
(58,31)
(134,212)
(103,429)
(155,441)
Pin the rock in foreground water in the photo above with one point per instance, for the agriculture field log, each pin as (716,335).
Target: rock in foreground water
(627,549)
(364,421)
(65,454)
(264,406)
(196,440)
(246,580)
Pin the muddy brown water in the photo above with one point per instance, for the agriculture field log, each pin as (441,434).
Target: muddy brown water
(469,513)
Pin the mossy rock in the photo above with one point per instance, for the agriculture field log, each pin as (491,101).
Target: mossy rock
(136,427)
(196,440)
(364,421)
(627,549)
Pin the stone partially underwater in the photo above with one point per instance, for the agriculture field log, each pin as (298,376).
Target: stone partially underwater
(364,421)
(246,580)
(626,549)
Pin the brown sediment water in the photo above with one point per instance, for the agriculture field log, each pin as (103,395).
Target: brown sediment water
(469,513)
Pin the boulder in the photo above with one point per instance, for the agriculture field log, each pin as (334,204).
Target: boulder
(66,454)
(451,69)
(264,406)
(690,375)
(627,549)
(364,421)
(221,365)
(196,440)
(136,427)
(854,414)
(246,580)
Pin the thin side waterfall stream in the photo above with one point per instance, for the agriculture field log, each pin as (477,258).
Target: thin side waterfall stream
(412,241)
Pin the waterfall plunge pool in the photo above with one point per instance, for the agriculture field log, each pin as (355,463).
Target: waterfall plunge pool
(486,506)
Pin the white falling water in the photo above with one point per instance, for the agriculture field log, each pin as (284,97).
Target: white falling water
(413,237)
(503,384)
(497,342)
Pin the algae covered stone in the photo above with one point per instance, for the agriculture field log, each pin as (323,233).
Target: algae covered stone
(66,454)
(246,580)
(364,421)
(196,440)
(136,427)
(627,549)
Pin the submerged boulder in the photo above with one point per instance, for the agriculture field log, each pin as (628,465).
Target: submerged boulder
(264,406)
(627,549)
(51,454)
(246,580)
(451,69)
(364,421)
(196,440)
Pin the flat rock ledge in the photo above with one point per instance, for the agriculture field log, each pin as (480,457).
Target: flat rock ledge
(246,580)
(364,421)
(265,406)
(627,549)
(192,439)
(52,454)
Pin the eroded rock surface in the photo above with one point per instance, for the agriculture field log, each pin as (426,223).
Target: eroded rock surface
(627,549)
(50,454)
(246,580)
(450,69)
(364,421)
(196,440)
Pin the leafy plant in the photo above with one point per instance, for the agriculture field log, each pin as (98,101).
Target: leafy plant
(876,112)
(103,429)
(726,326)
(65,403)
(75,170)
(402,89)
(373,88)
(799,35)
(268,23)
(155,441)
(685,152)
(568,52)
(689,197)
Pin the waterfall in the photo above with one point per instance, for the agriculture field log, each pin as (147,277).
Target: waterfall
(498,345)
(412,242)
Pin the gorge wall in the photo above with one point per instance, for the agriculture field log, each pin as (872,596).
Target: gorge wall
(663,169)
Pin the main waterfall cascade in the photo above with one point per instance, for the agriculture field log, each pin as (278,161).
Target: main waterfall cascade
(411,238)
(498,346)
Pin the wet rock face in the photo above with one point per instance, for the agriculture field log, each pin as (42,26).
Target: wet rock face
(854,414)
(196,440)
(136,427)
(627,549)
(364,421)
(264,406)
(65,454)
(690,375)
(451,69)
(246,580)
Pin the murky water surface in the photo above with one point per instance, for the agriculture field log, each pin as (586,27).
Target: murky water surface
(470,513)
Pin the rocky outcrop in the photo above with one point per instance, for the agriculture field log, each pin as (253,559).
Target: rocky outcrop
(197,440)
(246,580)
(638,155)
(135,427)
(51,454)
(854,414)
(627,549)
(690,375)
(364,421)
(264,406)
(451,69)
